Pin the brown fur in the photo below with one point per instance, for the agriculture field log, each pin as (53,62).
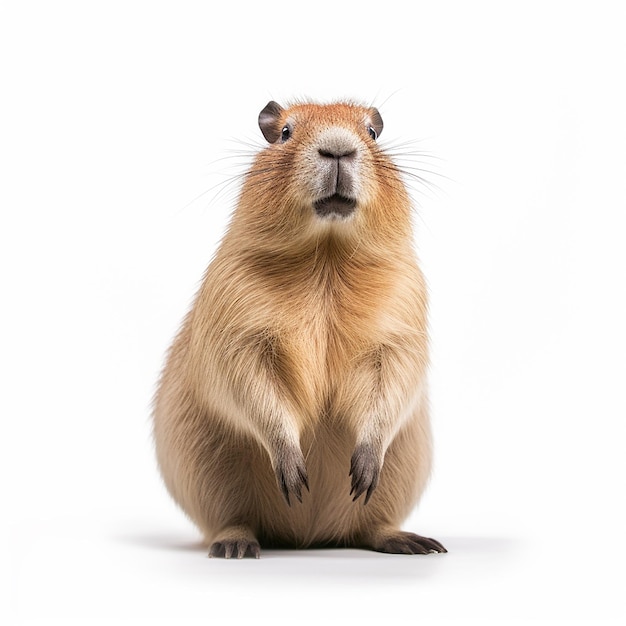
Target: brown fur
(304,357)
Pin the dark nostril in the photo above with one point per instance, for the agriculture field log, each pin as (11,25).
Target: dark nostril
(327,154)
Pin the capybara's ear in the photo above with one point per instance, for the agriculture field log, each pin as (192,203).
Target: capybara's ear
(269,119)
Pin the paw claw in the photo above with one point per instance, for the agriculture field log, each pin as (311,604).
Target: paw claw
(215,549)
(291,473)
(402,542)
(365,471)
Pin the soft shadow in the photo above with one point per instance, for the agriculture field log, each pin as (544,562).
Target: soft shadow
(481,545)
(464,554)
(455,545)
(174,543)
(459,545)
(340,564)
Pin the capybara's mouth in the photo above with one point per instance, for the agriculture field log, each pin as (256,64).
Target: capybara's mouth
(335,205)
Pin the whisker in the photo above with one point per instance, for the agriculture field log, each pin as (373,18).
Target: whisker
(416,166)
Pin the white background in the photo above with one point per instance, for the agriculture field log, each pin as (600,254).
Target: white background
(113,118)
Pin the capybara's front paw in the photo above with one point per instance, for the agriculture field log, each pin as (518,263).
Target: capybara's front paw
(364,470)
(291,472)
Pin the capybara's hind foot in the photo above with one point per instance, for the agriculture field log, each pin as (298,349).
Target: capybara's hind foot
(402,542)
(235,541)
